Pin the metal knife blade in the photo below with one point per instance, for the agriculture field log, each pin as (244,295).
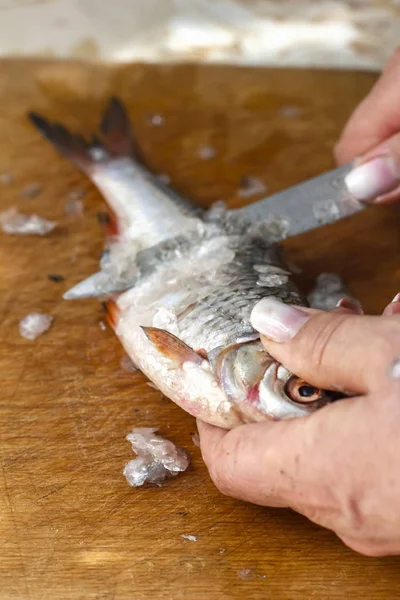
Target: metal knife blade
(308,205)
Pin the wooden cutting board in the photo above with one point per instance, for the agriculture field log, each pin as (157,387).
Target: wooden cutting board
(71,527)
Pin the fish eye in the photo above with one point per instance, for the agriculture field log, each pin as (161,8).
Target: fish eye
(299,390)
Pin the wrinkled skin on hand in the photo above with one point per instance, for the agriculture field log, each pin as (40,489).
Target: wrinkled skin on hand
(339,466)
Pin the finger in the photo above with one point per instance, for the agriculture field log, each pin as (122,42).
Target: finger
(377,175)
(376,119)
(335,351)
(213,436)
(243,462)
(298,463)
(317,466)
(394,307)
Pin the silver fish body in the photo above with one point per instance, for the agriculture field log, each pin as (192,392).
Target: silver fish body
(180,285)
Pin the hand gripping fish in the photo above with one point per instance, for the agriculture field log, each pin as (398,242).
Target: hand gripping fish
(180,283)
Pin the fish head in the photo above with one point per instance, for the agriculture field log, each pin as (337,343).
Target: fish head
(227,386)
(262,387)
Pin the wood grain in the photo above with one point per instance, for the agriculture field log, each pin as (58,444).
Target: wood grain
(70,525)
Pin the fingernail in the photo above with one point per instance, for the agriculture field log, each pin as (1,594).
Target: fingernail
(351,305)
(396,298)
(374,178)
(276,320)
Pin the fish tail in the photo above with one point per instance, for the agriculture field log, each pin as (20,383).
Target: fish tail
(114,139)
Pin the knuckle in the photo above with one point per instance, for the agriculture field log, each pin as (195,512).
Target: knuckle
(322,341)
(355,515)
(338,511)
(358,524)
(223,470)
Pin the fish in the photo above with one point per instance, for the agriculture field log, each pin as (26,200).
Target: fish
(178,283)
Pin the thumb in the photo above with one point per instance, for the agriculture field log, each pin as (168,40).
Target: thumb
(330,350)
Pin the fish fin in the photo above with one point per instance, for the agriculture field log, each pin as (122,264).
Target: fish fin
(95,286)
(187,311)
(116,130)
(115,138)
(171,346)
(112,313)
(73,147)
(108,223)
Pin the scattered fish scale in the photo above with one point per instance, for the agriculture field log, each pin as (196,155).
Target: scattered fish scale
(6,178)
(190,538)
(250,186)
(34,325)
(16,223)
(328,290)
(207,152)
(157,458)
(272,280)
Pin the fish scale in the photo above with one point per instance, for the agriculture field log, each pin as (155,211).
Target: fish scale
(180,284)
(223,315)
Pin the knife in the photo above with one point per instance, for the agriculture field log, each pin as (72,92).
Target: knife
(308,205)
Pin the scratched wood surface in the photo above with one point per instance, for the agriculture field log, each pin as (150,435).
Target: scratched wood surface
(70,525)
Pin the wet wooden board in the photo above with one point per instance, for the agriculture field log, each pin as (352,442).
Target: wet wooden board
(70,525)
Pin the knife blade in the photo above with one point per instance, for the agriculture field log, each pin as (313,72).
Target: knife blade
(308,205)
